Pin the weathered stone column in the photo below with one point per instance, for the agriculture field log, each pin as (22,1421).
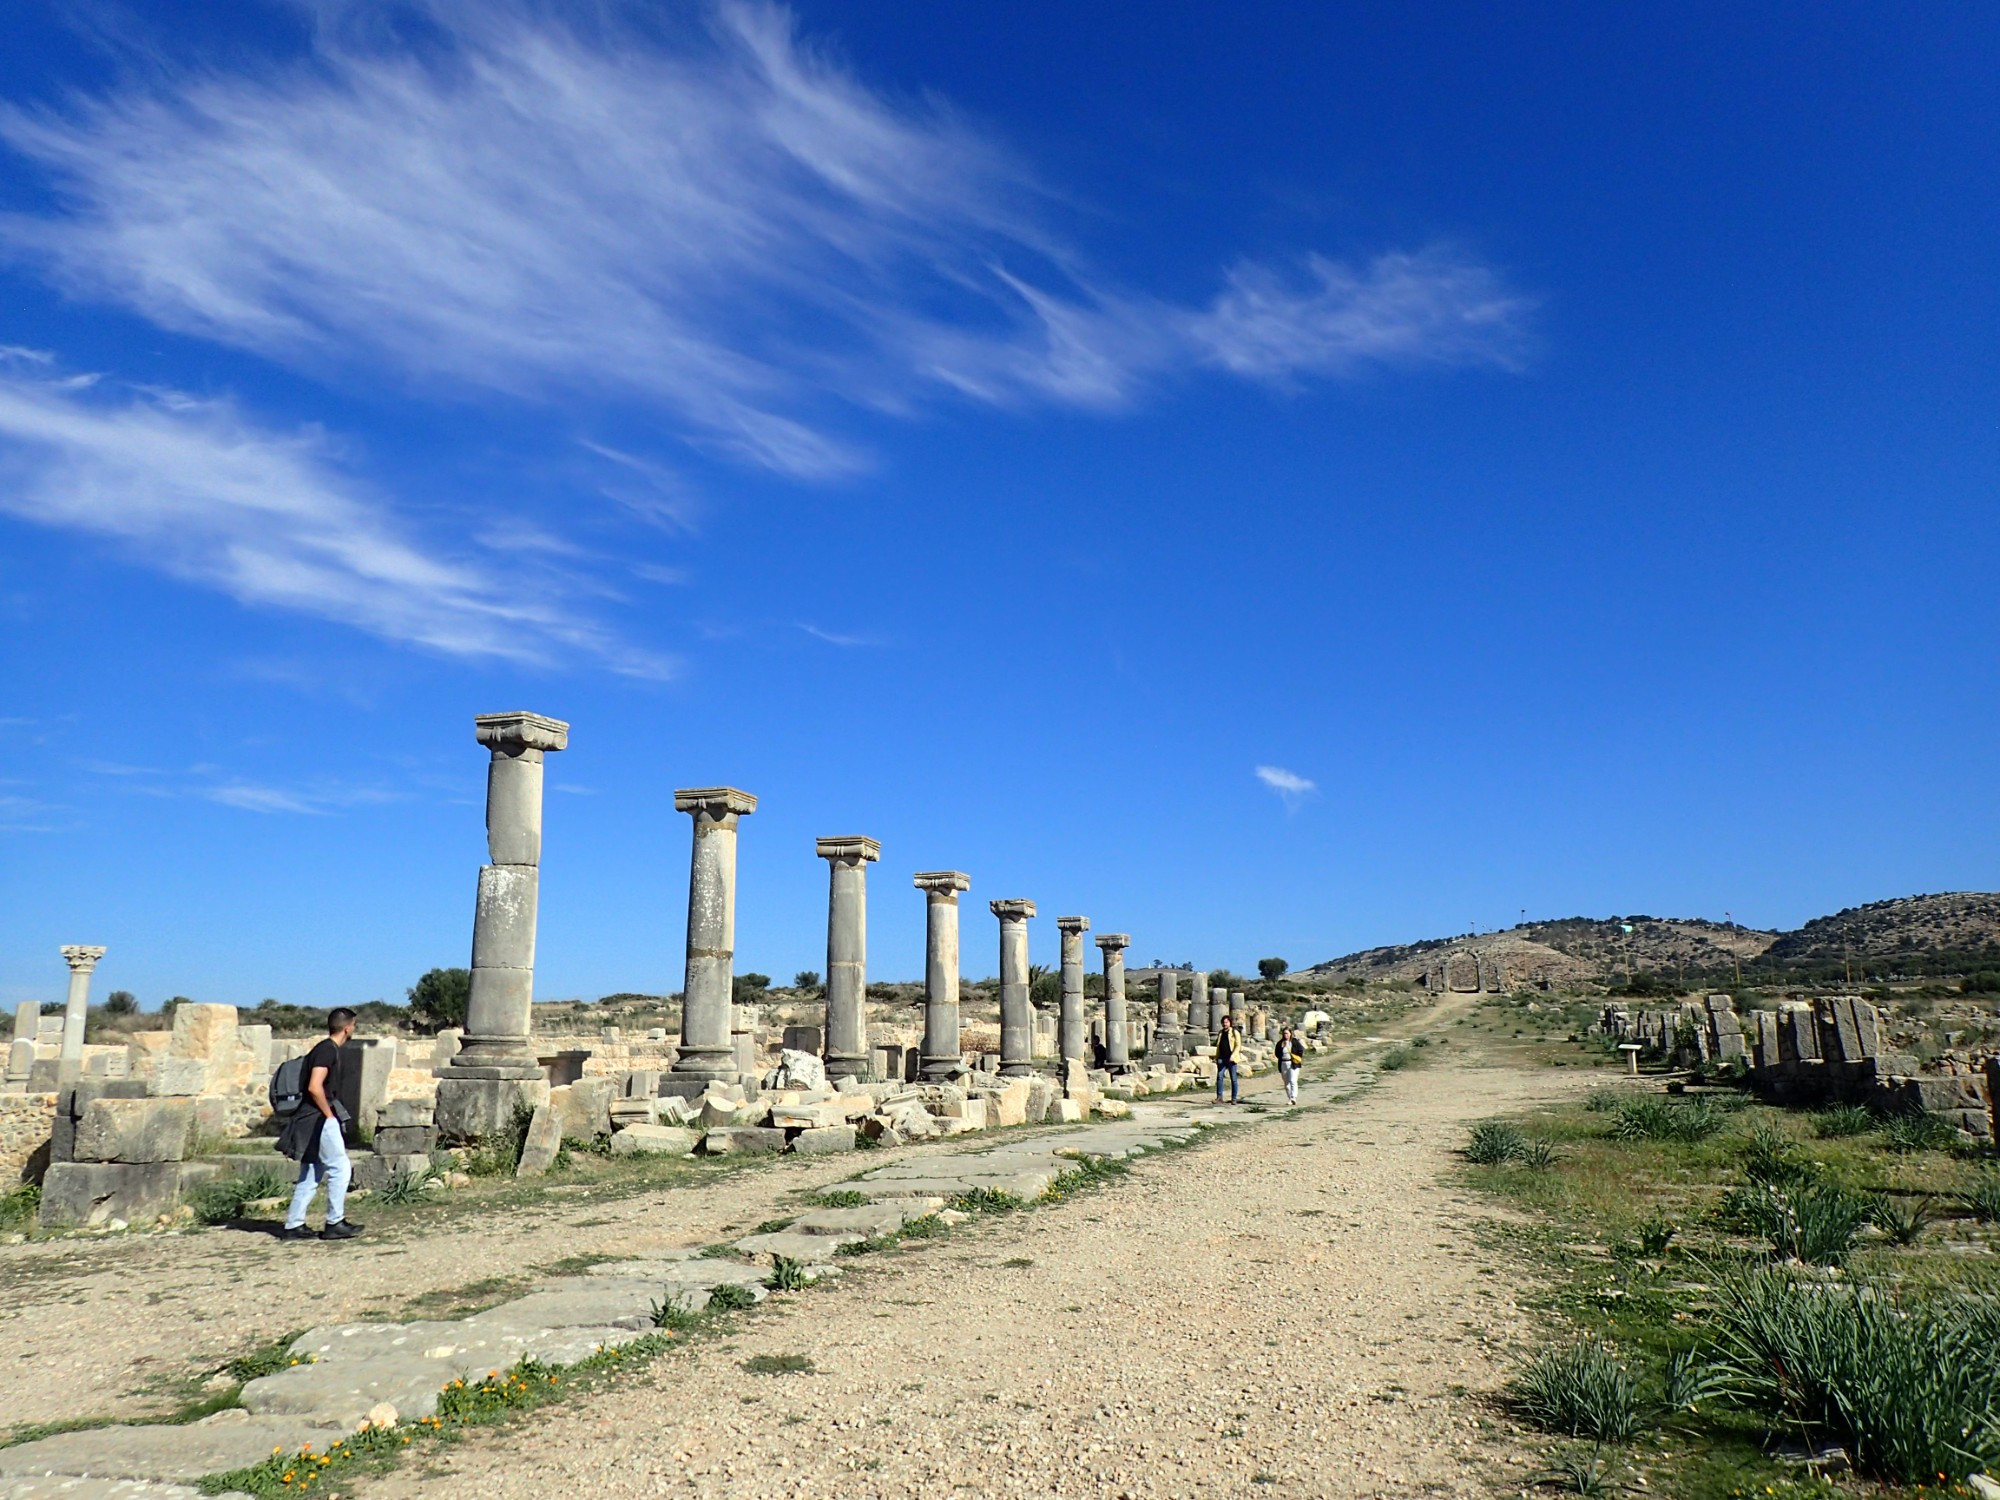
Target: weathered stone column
(1073,1027)
(1197,1016)
(82,963)
(1218,1007)
(1017,1012)
(494,1072)
(1169,1028)
(707,1047)
(1239,1012)
(846,1047)
(21,1055)
(941,1059)
(1117,1034)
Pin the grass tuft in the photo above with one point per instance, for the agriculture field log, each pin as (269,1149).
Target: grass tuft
(1579,1389)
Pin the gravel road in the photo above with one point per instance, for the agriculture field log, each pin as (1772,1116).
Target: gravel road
(1299,1305)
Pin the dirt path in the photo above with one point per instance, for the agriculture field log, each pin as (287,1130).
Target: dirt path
(1298,1304)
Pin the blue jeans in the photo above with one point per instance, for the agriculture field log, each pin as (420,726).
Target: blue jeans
(332,1168)
(1230,1069)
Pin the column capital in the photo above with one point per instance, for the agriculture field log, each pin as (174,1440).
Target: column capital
(942,882)
(1019,908)
(1073,924)
(847,846)
(520,730)
(1114,942)
(716,801)
(81,960)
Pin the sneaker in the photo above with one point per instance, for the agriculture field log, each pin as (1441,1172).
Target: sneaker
(296,1232)
(346,1229)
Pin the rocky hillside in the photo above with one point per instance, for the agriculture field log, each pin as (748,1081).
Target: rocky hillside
(1914,935)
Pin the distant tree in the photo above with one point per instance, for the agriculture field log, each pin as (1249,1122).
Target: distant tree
(1044,989)
(751,985)
(1271,968)
(121,1003)
(438,1000)
(806,979)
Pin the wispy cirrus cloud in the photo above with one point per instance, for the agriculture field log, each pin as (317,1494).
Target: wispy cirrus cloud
(196,488)
(722,225)
(1292,788)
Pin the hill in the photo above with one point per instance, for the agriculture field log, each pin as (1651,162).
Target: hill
(1909,937)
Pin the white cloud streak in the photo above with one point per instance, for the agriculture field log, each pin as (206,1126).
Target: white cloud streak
(194,488)
(1291,787)
(720,226)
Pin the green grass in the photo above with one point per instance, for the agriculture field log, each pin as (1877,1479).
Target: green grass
(779,1364)
(1578,1389)
(220,1200)
(843,1198)
(1919,1132)
(19,1207)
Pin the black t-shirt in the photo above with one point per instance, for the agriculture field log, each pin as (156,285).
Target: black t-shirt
(326,1055)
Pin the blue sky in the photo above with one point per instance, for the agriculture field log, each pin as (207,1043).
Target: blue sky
(1273,482)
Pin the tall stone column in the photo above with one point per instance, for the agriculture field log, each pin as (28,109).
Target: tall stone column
(707,1048)
(942,1060)
(1218,1007)
(1017,1011)
(847,953)
(1117,1035)
(1197,1016)
(1239,1012)
(1073,1027)
(1169,1039)
(82,963)
(494,1072)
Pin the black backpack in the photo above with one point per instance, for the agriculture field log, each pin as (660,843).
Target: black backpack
(288,1087)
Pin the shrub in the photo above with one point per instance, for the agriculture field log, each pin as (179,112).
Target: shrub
(1910,1384)
(787,1274)
(674,1315)
(730,1297)
(1843,1120)
(1494,1142)
(121,1003)
(1982,1199)
(1397,1057)
(1902,1221)
(439,998)
(407,1187)
(1272,968)
(1656,1234)
(1919,1131)
(806,979)
(1772,1158)
(1653,1119)
(221,1200)
(19,1207)
(1815,1223)
(1579,1389)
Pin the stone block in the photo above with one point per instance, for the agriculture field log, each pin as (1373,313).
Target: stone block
(77,1195)
(471,1108)
(402,1113)
(204,1032)
(405,1140)
(741,1140)
(583,1109)
(642,1083)
(179,1077)
(445,1047)
(71,1102)
(824,1140)
(1009,1106)
(542,1144)
(808,1116)
(364,1075)
(135,1131)
(971,1113)
(1041,1095)
(803,1039)
(645,1140)
(1066,1112)
(375,1170)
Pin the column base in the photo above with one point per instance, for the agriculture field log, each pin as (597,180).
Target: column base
(1017,1070)
(942,1069)
(846,1065)
(469,1109)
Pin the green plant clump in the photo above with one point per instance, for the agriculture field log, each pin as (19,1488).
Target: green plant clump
(1653,1119)
(19,1207)
(1494,1143)
(1579,1389)
(1908,1383)
(787,1274)
(1919,1131)
(729,1297)
(1843,1120)
(1982,1199)
(220,1200)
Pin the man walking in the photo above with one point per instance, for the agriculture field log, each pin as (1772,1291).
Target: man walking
(1227,1045)
(1291,1057)
(314,1137)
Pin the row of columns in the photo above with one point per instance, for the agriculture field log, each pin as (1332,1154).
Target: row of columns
(495,1063)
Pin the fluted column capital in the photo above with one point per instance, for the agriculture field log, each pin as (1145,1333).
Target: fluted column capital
(848,846)
(81,960)
(947,883)
(510,733)
(716,801)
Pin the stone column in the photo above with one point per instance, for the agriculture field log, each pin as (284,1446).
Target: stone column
(82,963)
(1197,1016)
(1239,1012)
(846,1048)
(1017,1011)
(494,1071)
(942,1060)
(21,1055)
(1073,1029)
(1169,1028)
(1117,1033)
(707,1046)
(1218,1007)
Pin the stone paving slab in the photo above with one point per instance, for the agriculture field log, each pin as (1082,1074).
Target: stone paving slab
(811,1248)
(206,1447)
(455,1347)
(1021,1185)
(74,1487)
(342,1391)
(702,1273)
(878,1219)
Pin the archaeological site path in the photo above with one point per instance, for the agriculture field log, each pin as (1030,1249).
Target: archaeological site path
(1301,1301)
